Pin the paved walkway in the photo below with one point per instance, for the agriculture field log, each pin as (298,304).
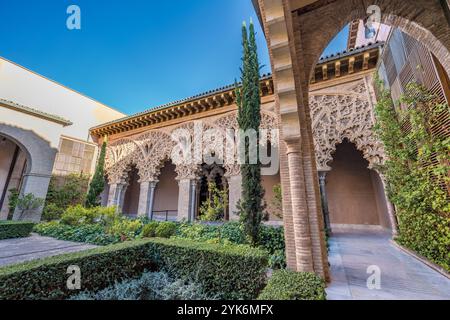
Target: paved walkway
(402,276)
(24,249)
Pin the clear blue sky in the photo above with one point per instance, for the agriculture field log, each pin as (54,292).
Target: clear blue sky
(135,54)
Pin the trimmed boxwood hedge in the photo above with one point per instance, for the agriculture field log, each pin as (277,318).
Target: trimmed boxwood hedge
(15,229)
(100,267)
(228,271)
(289,285)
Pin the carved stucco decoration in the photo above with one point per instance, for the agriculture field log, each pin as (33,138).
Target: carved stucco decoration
(120,156)
(155,148)
(229,121)
(150,150)
(344,115)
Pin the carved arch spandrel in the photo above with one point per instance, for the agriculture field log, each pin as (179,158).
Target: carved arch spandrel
(229,121)
(120,156)
(149,151)
(344,115)
(155,148)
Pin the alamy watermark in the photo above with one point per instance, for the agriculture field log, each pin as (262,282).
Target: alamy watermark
(232,147)
(74,280)
(374,280)
(373,21)
(73,21)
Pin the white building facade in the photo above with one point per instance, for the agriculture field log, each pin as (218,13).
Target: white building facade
(44,130)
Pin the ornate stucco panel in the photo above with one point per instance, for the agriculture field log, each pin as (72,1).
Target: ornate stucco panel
(345,112)
(148,151)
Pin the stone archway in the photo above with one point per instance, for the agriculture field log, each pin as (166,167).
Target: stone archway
(297,32)
(355,194)
(40,157)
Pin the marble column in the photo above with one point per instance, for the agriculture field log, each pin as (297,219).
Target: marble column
(116,195)
(234,195)
(184,199)
(146,199)
(193,200)
(324,198)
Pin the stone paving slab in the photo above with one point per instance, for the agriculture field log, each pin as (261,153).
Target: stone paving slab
(403,277)
(14,251)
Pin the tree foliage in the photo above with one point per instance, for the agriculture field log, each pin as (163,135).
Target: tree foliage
(97,184)
(416,170)
(251,208)
(213,209)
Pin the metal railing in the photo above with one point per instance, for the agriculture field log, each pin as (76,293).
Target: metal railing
(164,215)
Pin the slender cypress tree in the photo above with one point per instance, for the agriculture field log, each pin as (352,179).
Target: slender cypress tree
(251,208)
(97,184)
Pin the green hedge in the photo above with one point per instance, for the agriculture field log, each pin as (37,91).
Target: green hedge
(89,233)
(228,271)
(15,229)
(100,267)
(289,285)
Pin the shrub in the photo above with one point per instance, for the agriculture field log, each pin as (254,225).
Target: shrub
(78,215)
(101,267)
(149,230)
(416,169)
(26,203)
(271,239)
(94,234)
(166,229)
(233,232)
(213,208)
(52,212)
(13,197)
(150,286)
(64,191)
(277,260)
(126,229)
(229,271)
(106,215)
(289,285)
(15,229)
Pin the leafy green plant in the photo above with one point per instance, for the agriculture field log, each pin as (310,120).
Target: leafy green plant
(52,212)
(126,229)
(166,229)
(93,233)
(78,215)
(13,197)
(416,167)
(276,205)
(289,285)
(149,229)
(213,209)
(63,192)
(26,203)
(150,286)
(97,184)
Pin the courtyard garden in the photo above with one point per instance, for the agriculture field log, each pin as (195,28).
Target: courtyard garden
(138,259)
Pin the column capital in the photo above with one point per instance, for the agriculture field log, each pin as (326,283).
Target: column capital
(293,146)
(150,182)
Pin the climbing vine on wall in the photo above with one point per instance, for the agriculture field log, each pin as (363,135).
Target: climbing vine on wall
(417,170)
